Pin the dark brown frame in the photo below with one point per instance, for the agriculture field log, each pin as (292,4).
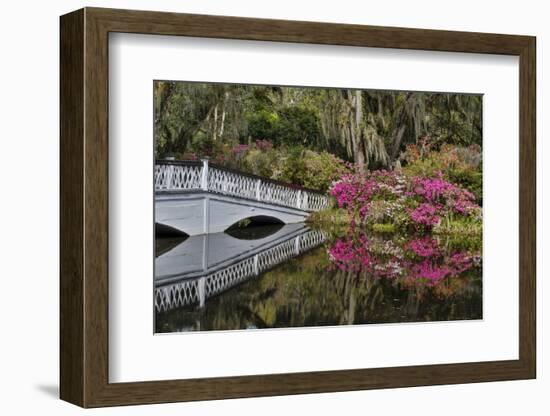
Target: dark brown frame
(84,210)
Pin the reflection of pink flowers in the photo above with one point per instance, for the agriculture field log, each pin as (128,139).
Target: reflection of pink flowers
(430,271)
(350,255)
(426,261)
(425,247)
(460,262)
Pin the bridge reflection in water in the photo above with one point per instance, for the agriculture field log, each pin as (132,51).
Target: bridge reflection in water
(205,265)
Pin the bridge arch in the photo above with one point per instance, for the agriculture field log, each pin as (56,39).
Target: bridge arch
(168,231)
(203,212)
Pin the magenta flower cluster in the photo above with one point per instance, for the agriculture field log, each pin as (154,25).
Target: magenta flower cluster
(425,214)
(424,200)
(355,191)
(443,194)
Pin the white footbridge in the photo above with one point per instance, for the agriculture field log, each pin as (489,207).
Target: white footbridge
(195,197)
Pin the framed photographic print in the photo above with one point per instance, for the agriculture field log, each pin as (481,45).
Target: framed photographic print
(255,207)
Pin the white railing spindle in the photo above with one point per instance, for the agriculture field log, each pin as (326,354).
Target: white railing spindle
(204,175)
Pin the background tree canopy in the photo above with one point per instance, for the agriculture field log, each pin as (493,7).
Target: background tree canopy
(366,127)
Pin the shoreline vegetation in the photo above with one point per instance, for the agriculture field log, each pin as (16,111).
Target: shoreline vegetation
(404,168)
(339,219)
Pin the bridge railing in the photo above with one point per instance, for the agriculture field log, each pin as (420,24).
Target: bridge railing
(199,175)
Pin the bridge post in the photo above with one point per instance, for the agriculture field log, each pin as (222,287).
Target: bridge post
(201,284)
(297,245)
(224,183)
(258,185)
(204,175)
(299,199)
(256,268)
(168,177)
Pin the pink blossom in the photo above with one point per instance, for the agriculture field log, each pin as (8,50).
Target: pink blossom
(425,214)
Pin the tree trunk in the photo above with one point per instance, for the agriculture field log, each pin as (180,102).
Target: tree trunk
(215,129)
(222,123)
(398,137)
(226,95)
(356,120)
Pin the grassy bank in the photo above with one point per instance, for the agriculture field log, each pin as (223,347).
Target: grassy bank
(337,219)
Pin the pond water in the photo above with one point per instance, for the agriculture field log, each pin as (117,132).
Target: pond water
(275,276)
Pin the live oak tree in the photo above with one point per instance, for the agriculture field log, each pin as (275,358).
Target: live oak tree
(367,127)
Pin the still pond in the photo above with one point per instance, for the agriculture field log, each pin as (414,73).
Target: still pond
(279,276)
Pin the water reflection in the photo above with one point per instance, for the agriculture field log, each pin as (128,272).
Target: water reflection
(165,244)
(293,276)
(254,233)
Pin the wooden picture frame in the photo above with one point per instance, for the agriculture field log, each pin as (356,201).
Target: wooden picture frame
(84,207)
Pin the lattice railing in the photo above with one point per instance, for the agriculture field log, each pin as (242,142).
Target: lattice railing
(197,290)
(178,294)
(169,177)
(230,183)
(183,176)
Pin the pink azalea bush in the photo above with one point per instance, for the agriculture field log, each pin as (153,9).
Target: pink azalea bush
(459,164)
(389,196)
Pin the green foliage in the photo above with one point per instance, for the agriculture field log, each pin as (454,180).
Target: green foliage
(293,164)
(458,164)
(386,228)
(456,119)
(180,112)
(262,124)
(258,162)
(321,169)
(297,125)
(287,126)
(368,128)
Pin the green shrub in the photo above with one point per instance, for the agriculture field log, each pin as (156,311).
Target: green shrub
(385,228)
(457,164)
